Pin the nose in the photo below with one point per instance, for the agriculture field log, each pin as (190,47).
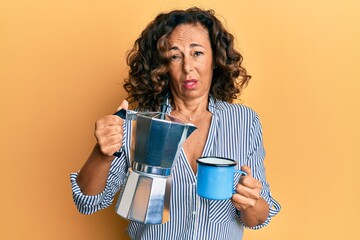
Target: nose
(188,64)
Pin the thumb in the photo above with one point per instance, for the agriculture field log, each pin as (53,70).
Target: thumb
(124,105)
(246,169)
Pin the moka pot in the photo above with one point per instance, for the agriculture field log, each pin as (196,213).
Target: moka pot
(156,141)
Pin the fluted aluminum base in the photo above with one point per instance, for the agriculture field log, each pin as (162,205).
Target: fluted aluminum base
(145,198)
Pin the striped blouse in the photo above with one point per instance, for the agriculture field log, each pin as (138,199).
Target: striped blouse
(235,133)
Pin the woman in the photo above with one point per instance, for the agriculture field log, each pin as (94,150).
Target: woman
(187,61)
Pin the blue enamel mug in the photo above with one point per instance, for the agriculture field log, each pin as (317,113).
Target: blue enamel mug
(215,177)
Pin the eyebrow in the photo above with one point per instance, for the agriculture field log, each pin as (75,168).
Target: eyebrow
(191,45)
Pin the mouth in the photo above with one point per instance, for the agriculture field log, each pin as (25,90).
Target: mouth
(189,84)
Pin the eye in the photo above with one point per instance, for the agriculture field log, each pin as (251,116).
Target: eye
(175,57)
(198,53)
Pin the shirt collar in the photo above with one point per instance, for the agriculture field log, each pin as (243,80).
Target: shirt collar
(214,105)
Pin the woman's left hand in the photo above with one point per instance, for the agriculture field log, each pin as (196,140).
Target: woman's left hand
(247,191)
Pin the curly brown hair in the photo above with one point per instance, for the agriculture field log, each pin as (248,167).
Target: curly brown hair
(148,81)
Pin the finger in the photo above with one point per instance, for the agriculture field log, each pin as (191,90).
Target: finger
(111,139)
(248,192)
(109,120)
(250,182)
(124,105)
(109,131)
(246,169)
(242,202)
(114,139)
(110,144)
(104,142)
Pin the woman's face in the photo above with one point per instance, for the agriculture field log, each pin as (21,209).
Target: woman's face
(191,62)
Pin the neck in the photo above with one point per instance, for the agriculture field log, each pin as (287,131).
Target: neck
(190,105)
(190,109)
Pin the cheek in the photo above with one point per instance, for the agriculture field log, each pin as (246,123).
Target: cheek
(207,72)
(205,66)
(173,72)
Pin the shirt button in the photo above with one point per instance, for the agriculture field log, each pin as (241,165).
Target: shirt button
(194,183)
(194,212)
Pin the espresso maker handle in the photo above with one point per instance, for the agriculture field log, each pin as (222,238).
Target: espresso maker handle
(126,114)
(121,113)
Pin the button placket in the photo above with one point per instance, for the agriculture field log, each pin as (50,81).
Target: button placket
(193,190)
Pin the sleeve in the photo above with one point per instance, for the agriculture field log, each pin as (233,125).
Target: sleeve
(117,174)
(255,160)
(90,204)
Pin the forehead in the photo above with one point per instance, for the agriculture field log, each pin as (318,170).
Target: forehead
(189,33)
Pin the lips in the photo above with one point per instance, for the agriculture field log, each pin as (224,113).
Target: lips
(189,84)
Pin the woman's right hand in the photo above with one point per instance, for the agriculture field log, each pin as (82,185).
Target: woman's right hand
(109,132)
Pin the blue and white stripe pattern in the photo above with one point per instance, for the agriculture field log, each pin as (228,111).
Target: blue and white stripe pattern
(235,133)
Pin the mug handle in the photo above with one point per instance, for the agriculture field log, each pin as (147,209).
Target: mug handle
(242,173)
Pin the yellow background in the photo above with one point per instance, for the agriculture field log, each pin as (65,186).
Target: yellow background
(62,65)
